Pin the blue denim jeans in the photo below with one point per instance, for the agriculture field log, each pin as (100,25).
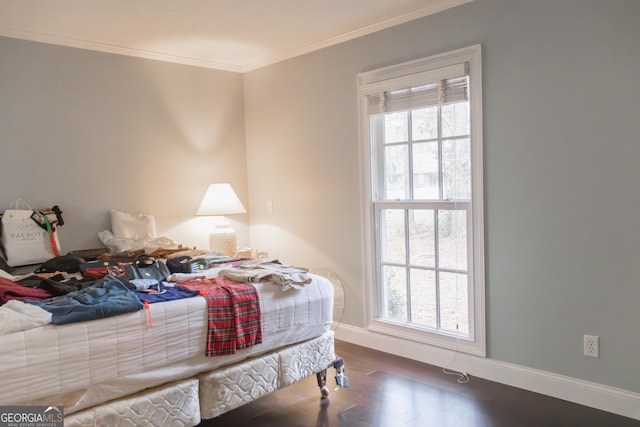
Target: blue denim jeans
(107,297)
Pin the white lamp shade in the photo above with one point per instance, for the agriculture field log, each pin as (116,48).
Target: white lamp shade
(220,199)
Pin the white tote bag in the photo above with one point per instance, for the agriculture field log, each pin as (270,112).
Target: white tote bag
(24,241)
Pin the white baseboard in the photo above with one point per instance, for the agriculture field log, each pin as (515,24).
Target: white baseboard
(610,399)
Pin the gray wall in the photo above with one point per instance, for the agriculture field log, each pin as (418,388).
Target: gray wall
(561,176)
(92,132)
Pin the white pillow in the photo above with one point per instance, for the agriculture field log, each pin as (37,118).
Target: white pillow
(126,225)
(124,245)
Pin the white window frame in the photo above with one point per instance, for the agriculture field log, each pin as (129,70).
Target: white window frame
(405,75)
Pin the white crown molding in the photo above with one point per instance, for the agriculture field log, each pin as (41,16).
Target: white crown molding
(606,398)
(421,13)
(118,50)
(238,68)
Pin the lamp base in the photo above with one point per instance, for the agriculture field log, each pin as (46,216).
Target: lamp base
(223,239)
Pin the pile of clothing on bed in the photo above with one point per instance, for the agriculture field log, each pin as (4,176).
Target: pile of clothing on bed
(71,288)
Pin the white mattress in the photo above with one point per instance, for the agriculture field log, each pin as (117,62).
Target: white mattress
(185,402)
(81,364)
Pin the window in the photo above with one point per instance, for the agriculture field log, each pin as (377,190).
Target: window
(422,152)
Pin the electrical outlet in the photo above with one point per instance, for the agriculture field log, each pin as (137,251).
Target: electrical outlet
(591,346)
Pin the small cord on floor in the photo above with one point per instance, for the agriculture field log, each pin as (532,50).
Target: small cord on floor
(463,377)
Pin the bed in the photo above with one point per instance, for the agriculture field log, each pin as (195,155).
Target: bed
(128,370)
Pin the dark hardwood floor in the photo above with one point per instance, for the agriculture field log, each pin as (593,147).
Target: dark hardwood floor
(390,391)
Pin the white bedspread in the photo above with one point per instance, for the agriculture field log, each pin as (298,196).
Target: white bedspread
(108,357)
(19,316)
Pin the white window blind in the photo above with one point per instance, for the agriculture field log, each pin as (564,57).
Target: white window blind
(443,91)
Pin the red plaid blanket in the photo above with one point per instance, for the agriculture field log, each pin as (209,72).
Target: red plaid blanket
(234,317)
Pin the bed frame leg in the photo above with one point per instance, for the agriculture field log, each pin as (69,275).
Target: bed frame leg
(322,383)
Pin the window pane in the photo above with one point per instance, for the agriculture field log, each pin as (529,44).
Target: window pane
(454,315)
(426,164)
(395,293)
(424,123)
(423,298)
(456,165)
(396,171)
(455,119)
(396,127)
(393,236)
(452,239)
(422,237)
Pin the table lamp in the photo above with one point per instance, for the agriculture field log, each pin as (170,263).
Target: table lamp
(220,200)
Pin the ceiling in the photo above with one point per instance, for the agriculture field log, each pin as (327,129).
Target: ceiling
(232,35)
